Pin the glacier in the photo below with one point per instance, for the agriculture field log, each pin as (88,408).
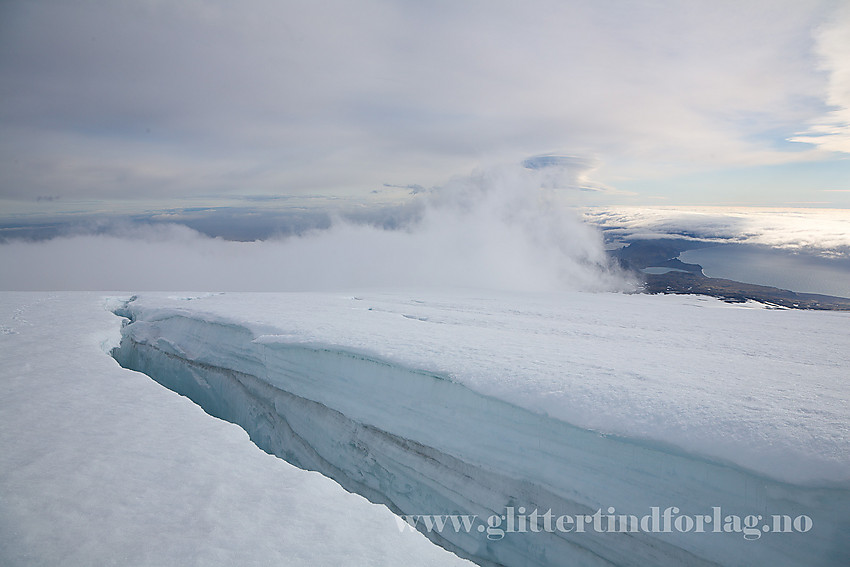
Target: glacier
(100,465)
(458,403)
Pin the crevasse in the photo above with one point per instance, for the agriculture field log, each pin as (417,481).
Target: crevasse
(422,444)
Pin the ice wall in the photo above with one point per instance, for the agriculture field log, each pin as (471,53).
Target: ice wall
(423,444)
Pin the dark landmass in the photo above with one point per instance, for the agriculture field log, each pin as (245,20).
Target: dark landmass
(240,223)
(738,292)
(663,253)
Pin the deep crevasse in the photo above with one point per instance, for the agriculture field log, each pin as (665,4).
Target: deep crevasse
(423,444)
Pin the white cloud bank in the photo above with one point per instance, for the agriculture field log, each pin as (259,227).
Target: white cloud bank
(823,231)
(495,230)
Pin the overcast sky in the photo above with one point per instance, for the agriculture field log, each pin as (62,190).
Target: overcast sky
(654,102)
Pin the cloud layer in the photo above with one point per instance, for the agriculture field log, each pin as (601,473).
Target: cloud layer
(822,231)
(832,131)
(495,230)
(109,99)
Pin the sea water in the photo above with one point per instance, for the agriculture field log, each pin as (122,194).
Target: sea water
(787,269)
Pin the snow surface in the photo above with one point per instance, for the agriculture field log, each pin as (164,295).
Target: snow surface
(102,466)
(766,390)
